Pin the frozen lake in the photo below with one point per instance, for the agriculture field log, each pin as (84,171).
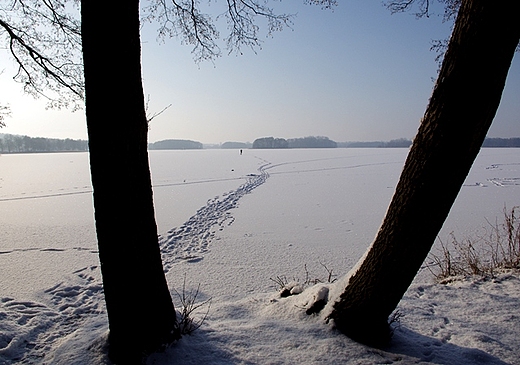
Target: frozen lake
(231,222)
(315,205)
(317,202)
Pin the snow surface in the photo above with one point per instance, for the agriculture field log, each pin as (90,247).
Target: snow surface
(232,223)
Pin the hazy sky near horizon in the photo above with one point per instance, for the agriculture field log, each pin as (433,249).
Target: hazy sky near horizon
(356,73)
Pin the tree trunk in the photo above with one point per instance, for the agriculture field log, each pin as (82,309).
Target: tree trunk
(460,112)
(140,309)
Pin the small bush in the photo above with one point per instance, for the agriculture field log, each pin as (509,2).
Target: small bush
(498,248)
(188,299)
(296,286)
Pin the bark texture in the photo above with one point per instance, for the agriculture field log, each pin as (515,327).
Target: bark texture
(463,105)
(140,310)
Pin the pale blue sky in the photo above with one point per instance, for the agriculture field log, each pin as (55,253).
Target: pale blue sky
(357,73)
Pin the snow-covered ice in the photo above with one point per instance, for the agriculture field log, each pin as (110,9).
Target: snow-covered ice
(231,223)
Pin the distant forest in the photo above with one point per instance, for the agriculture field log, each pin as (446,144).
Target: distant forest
(402,142)
(10,143)
(305,142)
(324,142)
(175,144)
(501,142)
(394,143)
(236,145)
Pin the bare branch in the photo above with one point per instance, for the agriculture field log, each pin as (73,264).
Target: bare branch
(185,20)
(451,7)
(46,64)
(154,115)
(5,111)
(45,43)
(325,4)
(241,18)
(405,5)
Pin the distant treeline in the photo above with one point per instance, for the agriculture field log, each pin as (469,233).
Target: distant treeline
(403,142)
(501,142)
(394,143)
(10,143)
(308,142)
(175,144)
(305,142)
(236,145)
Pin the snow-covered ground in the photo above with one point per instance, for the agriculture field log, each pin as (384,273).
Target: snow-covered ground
(231,223)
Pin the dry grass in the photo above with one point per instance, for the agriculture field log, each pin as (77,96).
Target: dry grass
(295,286)
(189,306)
(497,249)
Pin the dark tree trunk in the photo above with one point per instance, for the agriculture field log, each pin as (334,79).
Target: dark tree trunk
(140,310)
(462,107)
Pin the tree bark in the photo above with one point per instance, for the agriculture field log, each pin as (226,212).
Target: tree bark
(140,310)
(463,105)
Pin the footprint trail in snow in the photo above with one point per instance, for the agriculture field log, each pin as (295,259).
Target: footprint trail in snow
(30,330)
(191,240)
